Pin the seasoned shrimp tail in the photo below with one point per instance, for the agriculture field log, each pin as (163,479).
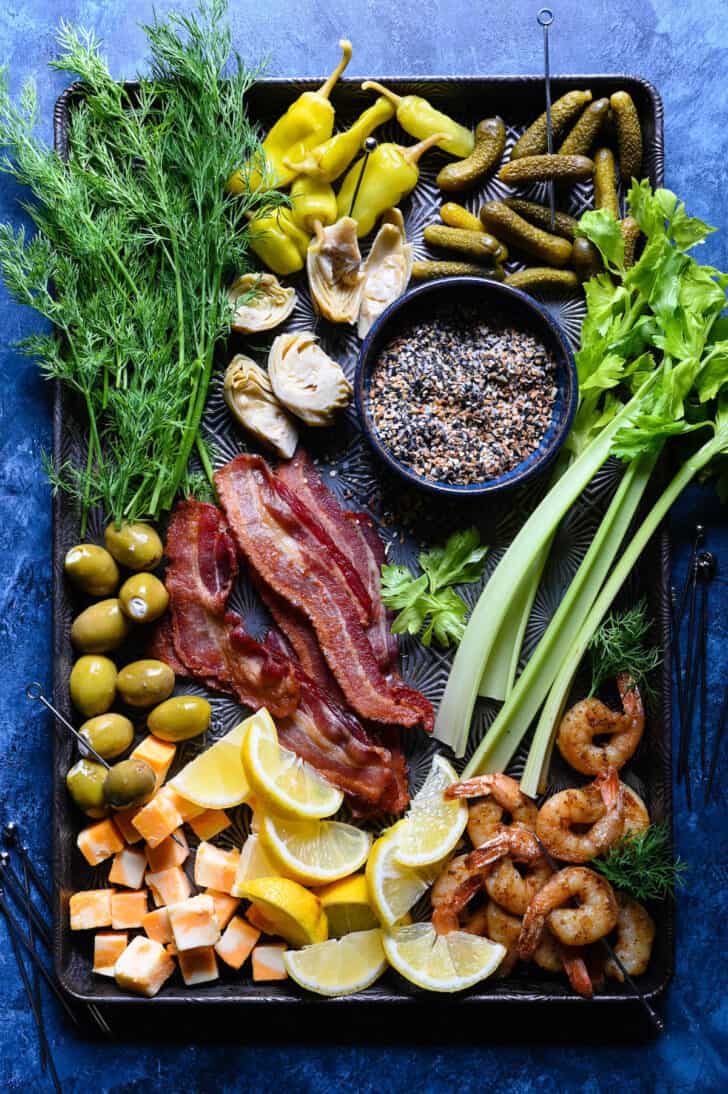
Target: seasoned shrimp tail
(500,801)
(635,936)
(594,915)
(591,718)
(579,824)
(577,972)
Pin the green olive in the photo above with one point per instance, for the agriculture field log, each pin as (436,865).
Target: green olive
(108,734)
(145,683)
(143,598)
(93,685)
(85,782)
(136,546)
(100,628)
(180,718)
(92,569)
(128,782)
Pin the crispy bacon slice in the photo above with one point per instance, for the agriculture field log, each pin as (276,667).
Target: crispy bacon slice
(208,639)
(161,646)
(295,563)
(379,633)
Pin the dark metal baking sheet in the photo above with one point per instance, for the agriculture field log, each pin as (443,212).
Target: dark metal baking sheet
(405,519)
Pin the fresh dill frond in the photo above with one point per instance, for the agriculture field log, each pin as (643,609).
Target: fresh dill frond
(619,646)
(642,865)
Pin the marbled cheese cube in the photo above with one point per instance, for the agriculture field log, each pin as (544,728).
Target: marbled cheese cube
(128,868)
(193,923)
(90,908)
(169,886)
(268,962)
(108,948)
(157,926)
(128,909)
(143,967)
(215,868)
(99,841)
(198,966)
(237,942)
(172,851)
(157,820)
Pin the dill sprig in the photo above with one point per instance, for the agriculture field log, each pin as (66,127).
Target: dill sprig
(136,239)
(619,646)
(642,865)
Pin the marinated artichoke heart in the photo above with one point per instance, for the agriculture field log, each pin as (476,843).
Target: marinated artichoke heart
(386,271)
(335,277)
(305,379)
(249,394)
(270,305)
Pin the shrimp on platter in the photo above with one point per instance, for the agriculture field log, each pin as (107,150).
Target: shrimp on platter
(514,867)
(635,936)
(502,802)
(453,890)
(594,916)
(578,824)
(591,718)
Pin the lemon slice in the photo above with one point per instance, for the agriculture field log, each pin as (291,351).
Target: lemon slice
(284,783)
(314,851)
(341,966)
(433,825)
(446,962)
(347,906)
(215,779)
(393,888)
(290,910)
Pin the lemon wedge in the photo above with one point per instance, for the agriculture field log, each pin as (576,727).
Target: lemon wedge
(290,910)
(284,783)
(215,779)
(347,907)
(314,852)
(393,888)
(341,966)
(433,825)
(446,962)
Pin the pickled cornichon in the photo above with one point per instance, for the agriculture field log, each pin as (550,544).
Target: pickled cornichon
(427,271)
(629,135)
(498,217)
(544,278)
(179,718)
(535,140)
(108,734)
(143,598)
(92,684)
(136,546)
(630,234)
(85,783)
(534,168)
(540,215)
(100,627)
(478,245)
(585,259)
(579,140)
(92,569)
(605,182)
(145,683)
(490,140)
(457,216)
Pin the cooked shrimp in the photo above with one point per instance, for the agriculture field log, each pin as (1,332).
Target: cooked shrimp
(594,917)
(502,798)
(576,970)
(454,888)
(599,806)
(591,718)
(635,935)
(636,816)
(492,922)
(509,886)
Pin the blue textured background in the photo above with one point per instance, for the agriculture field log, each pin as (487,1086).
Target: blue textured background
(682,48)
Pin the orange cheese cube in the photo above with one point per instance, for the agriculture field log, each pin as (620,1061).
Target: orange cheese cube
(99,842)
(198,966)
(210,823)
(128,909)
(215,868)
(237,942)
(143,967)
(268,962)
(169,886)
(90,908)
(224,906)
(128,868)
(257,918)
(170,852)
(186,809)
(156,820)
(193,922)
(156,925)
(253,863)
(158,754)
(108,948)
(123,819)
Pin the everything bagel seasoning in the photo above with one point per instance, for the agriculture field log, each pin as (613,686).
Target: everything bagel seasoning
(461,400)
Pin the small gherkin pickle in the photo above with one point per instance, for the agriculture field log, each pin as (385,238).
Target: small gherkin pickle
(457,216)
(549,248)
(540,215)
(630,234)
(605,182)
(477,245)
(544,278)
(533,168)
(490,140)
(427,271)
(535,140)
(579,140)
(585,259)
(629,135)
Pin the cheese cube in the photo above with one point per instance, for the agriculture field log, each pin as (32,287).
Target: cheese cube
(170,852)
(157,926)
(157,820)
(215,868)
(128,909)
(143,967)
(193,923)
(224,906)
(90,908)
(253,863)
(99,842)
(158,754)
(123,819)
(257,918)
(128,868)
(169,886)
(237,942)
(186,809)
(210,823)
(108,948)
(268,962)
(198,966)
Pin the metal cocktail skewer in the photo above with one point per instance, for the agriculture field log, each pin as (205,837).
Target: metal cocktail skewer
(544,19)
(15,886)
(36,976)
(11,837)
(369,145)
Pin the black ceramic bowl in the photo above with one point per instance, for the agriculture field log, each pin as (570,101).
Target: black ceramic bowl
(489,298)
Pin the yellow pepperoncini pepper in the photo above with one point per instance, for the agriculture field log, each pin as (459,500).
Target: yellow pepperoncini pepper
(390,174)
(312,200)
(278,241)
(332,158)
(307,123)
(418,118)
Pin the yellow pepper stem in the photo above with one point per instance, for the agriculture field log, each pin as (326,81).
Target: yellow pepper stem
(328,85)
(413,153)
(372,85)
